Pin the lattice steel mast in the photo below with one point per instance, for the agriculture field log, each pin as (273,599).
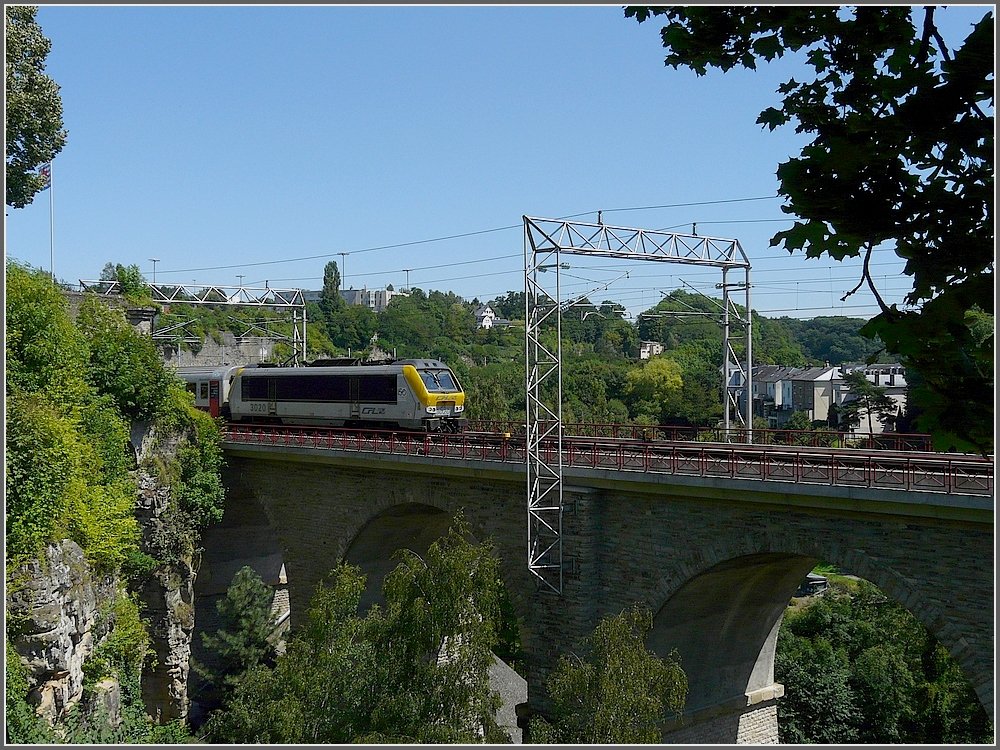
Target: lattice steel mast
(240,296)
(545,242)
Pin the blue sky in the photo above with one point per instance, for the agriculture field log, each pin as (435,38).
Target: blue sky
(230,141)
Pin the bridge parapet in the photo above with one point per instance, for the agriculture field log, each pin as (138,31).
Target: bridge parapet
(906,471)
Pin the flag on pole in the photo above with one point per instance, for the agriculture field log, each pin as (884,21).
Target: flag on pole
(45,172)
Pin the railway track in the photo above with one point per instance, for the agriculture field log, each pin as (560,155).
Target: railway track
(914,471)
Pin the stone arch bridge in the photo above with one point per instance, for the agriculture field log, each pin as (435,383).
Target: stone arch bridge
(715,559)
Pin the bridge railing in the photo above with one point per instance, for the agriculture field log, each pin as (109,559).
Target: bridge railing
(915,472)
(891,441)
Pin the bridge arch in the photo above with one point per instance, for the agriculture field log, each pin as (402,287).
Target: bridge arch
(406,519)
(722,606)
(373,547)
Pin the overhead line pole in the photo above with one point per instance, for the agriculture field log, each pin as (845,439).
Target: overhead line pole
(545,243)
(223,294)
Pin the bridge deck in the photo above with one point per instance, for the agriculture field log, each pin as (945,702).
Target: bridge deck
(904,471)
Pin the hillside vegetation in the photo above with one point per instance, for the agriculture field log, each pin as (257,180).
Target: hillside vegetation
(857,667)
(75,389)
(603,378)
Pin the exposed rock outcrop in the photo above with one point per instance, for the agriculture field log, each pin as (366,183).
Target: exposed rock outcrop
(52,609)
(168,595)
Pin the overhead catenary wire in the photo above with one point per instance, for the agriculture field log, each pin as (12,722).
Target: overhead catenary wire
(390,272)
(456,236)
(773,284)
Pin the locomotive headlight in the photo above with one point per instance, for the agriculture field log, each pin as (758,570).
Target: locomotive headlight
(431,409)
(459,407)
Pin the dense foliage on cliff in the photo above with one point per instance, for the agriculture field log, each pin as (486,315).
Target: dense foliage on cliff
(858,668)
(75,389)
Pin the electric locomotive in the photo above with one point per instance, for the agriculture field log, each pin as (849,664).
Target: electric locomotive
(416,394)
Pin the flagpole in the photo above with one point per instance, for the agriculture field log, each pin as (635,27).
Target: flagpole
(52,242)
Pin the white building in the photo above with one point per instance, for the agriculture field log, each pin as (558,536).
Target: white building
(485,317)
(890,377)
(649,349)
(375,299)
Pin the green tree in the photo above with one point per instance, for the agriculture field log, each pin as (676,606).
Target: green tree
(654,386)
(495,391)
(124,364)
(411,324)
(775,344)
(131,282)
(819,705)
(620,693)
(46,354)
(883,683)
(34,109)
(21,724)
(330,300)
(243,639)
(901,157)
(867,400)
(352,326)
(798,422)
(42,472)
(197,486)
(413,671)
(835,339)
(858,667)
(510,306)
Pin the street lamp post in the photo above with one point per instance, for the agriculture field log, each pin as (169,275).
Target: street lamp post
(343,269)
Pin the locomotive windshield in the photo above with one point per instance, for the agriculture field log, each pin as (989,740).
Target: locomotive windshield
(438,381)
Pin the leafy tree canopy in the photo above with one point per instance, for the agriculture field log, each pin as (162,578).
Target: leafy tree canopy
(901,157)
(72,391)
(413,671)
(330,299)
(858,667)
(831,338)
(656,384)
(247,625)
(123,364)
(34,110)
(130,280)
(619,692)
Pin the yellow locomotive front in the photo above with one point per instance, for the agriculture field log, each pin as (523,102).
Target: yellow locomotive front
(438,392)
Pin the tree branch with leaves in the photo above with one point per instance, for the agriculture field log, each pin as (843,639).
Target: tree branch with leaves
(901,158)
(34,122)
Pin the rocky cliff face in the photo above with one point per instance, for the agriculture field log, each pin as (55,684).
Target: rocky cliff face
(53,605)
(53,612)
(169,598)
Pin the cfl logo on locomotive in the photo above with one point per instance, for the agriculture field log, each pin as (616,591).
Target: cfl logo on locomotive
(373,410)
